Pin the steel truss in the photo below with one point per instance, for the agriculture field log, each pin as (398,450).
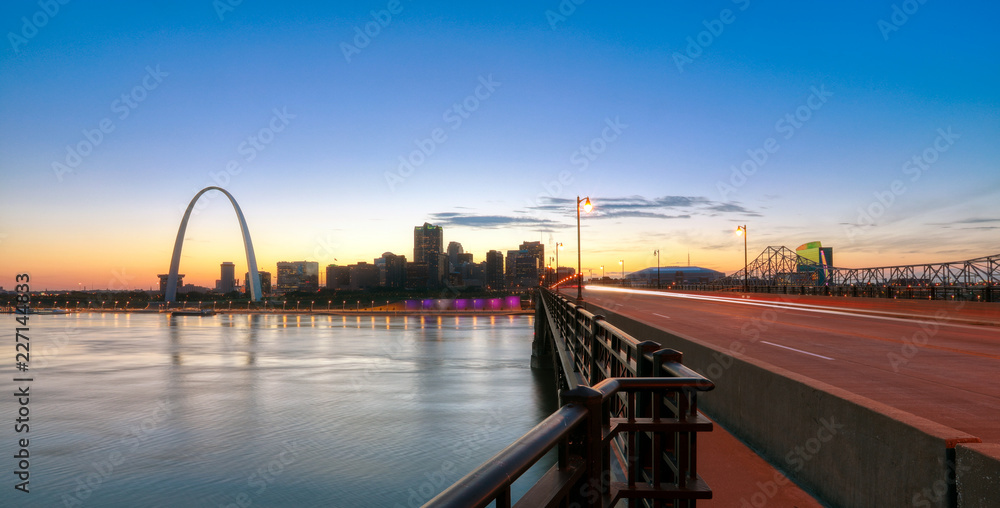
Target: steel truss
(778,266)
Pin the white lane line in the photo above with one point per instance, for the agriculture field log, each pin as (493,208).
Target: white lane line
(796,350)
(799,307)
(661,315)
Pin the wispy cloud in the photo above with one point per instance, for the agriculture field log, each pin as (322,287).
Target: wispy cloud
(664,207)
(489,221)
(632,207)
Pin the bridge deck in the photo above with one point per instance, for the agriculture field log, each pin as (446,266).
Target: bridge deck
(908,363)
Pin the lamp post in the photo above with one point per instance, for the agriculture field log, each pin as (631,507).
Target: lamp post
(587,207)
(657,252)
(602,273)
(622,262)
(742,231)
(558,246)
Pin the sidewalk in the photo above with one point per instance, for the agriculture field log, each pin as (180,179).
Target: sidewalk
(739,478)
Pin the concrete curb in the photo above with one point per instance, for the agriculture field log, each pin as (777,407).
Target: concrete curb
(978,470)
(849,450)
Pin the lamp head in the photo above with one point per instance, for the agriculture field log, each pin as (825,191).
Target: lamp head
(587,207)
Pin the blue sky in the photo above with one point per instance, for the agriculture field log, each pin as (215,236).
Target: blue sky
(668,98)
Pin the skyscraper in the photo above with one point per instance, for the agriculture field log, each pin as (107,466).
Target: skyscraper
(428,241)
(454,249)
(227,277)
(394,268)
(494,270)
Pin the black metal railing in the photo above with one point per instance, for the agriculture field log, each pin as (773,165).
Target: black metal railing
(631,434)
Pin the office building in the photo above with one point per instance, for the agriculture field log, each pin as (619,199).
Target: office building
(338,277)
(265,282)
(298,276)
(392,270)
(363,276)
(493,270)
(227,278)
(163,282)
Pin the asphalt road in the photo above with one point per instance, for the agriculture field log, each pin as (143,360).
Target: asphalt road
(926,358)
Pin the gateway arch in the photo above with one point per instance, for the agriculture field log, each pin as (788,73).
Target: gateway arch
(175,260)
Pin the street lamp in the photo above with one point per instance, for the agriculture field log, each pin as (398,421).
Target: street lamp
(558,246)
(602,273)
(742,231)
(587,207)
(622,262)
(657,252)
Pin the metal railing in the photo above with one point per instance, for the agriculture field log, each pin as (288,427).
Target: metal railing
(631,434)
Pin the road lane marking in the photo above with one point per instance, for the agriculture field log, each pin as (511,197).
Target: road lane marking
(796,350)
(861,313)
(661,315)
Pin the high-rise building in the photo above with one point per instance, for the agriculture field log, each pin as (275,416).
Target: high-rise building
(454,249)
(392,270)
(536,249)
(298,276)
(523,269)
(363,276)
(338,277)
(163,282)
(265,282)
(227,277)
(427,242)
(416,275)
(494,270)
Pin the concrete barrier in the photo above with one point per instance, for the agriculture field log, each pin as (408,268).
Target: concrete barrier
(978,474)
(848,450)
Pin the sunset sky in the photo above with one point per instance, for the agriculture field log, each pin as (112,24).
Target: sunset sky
(861,124)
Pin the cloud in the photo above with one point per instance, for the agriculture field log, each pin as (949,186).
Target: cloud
(489,221)
(642,207)
(632,207)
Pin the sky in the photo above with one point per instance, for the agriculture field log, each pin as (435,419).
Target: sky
(871,126)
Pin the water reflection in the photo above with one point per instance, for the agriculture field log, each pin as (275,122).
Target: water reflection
(373,409)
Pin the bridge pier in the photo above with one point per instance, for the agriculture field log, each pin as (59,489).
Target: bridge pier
(541,346)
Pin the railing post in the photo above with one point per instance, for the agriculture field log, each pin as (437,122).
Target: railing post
(588,444)
(595,327)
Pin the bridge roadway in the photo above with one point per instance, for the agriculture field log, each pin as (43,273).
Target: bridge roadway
(938,360)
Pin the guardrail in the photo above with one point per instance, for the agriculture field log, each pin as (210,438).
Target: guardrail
(639,413)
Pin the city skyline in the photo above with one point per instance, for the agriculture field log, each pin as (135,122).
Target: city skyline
(872,131)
